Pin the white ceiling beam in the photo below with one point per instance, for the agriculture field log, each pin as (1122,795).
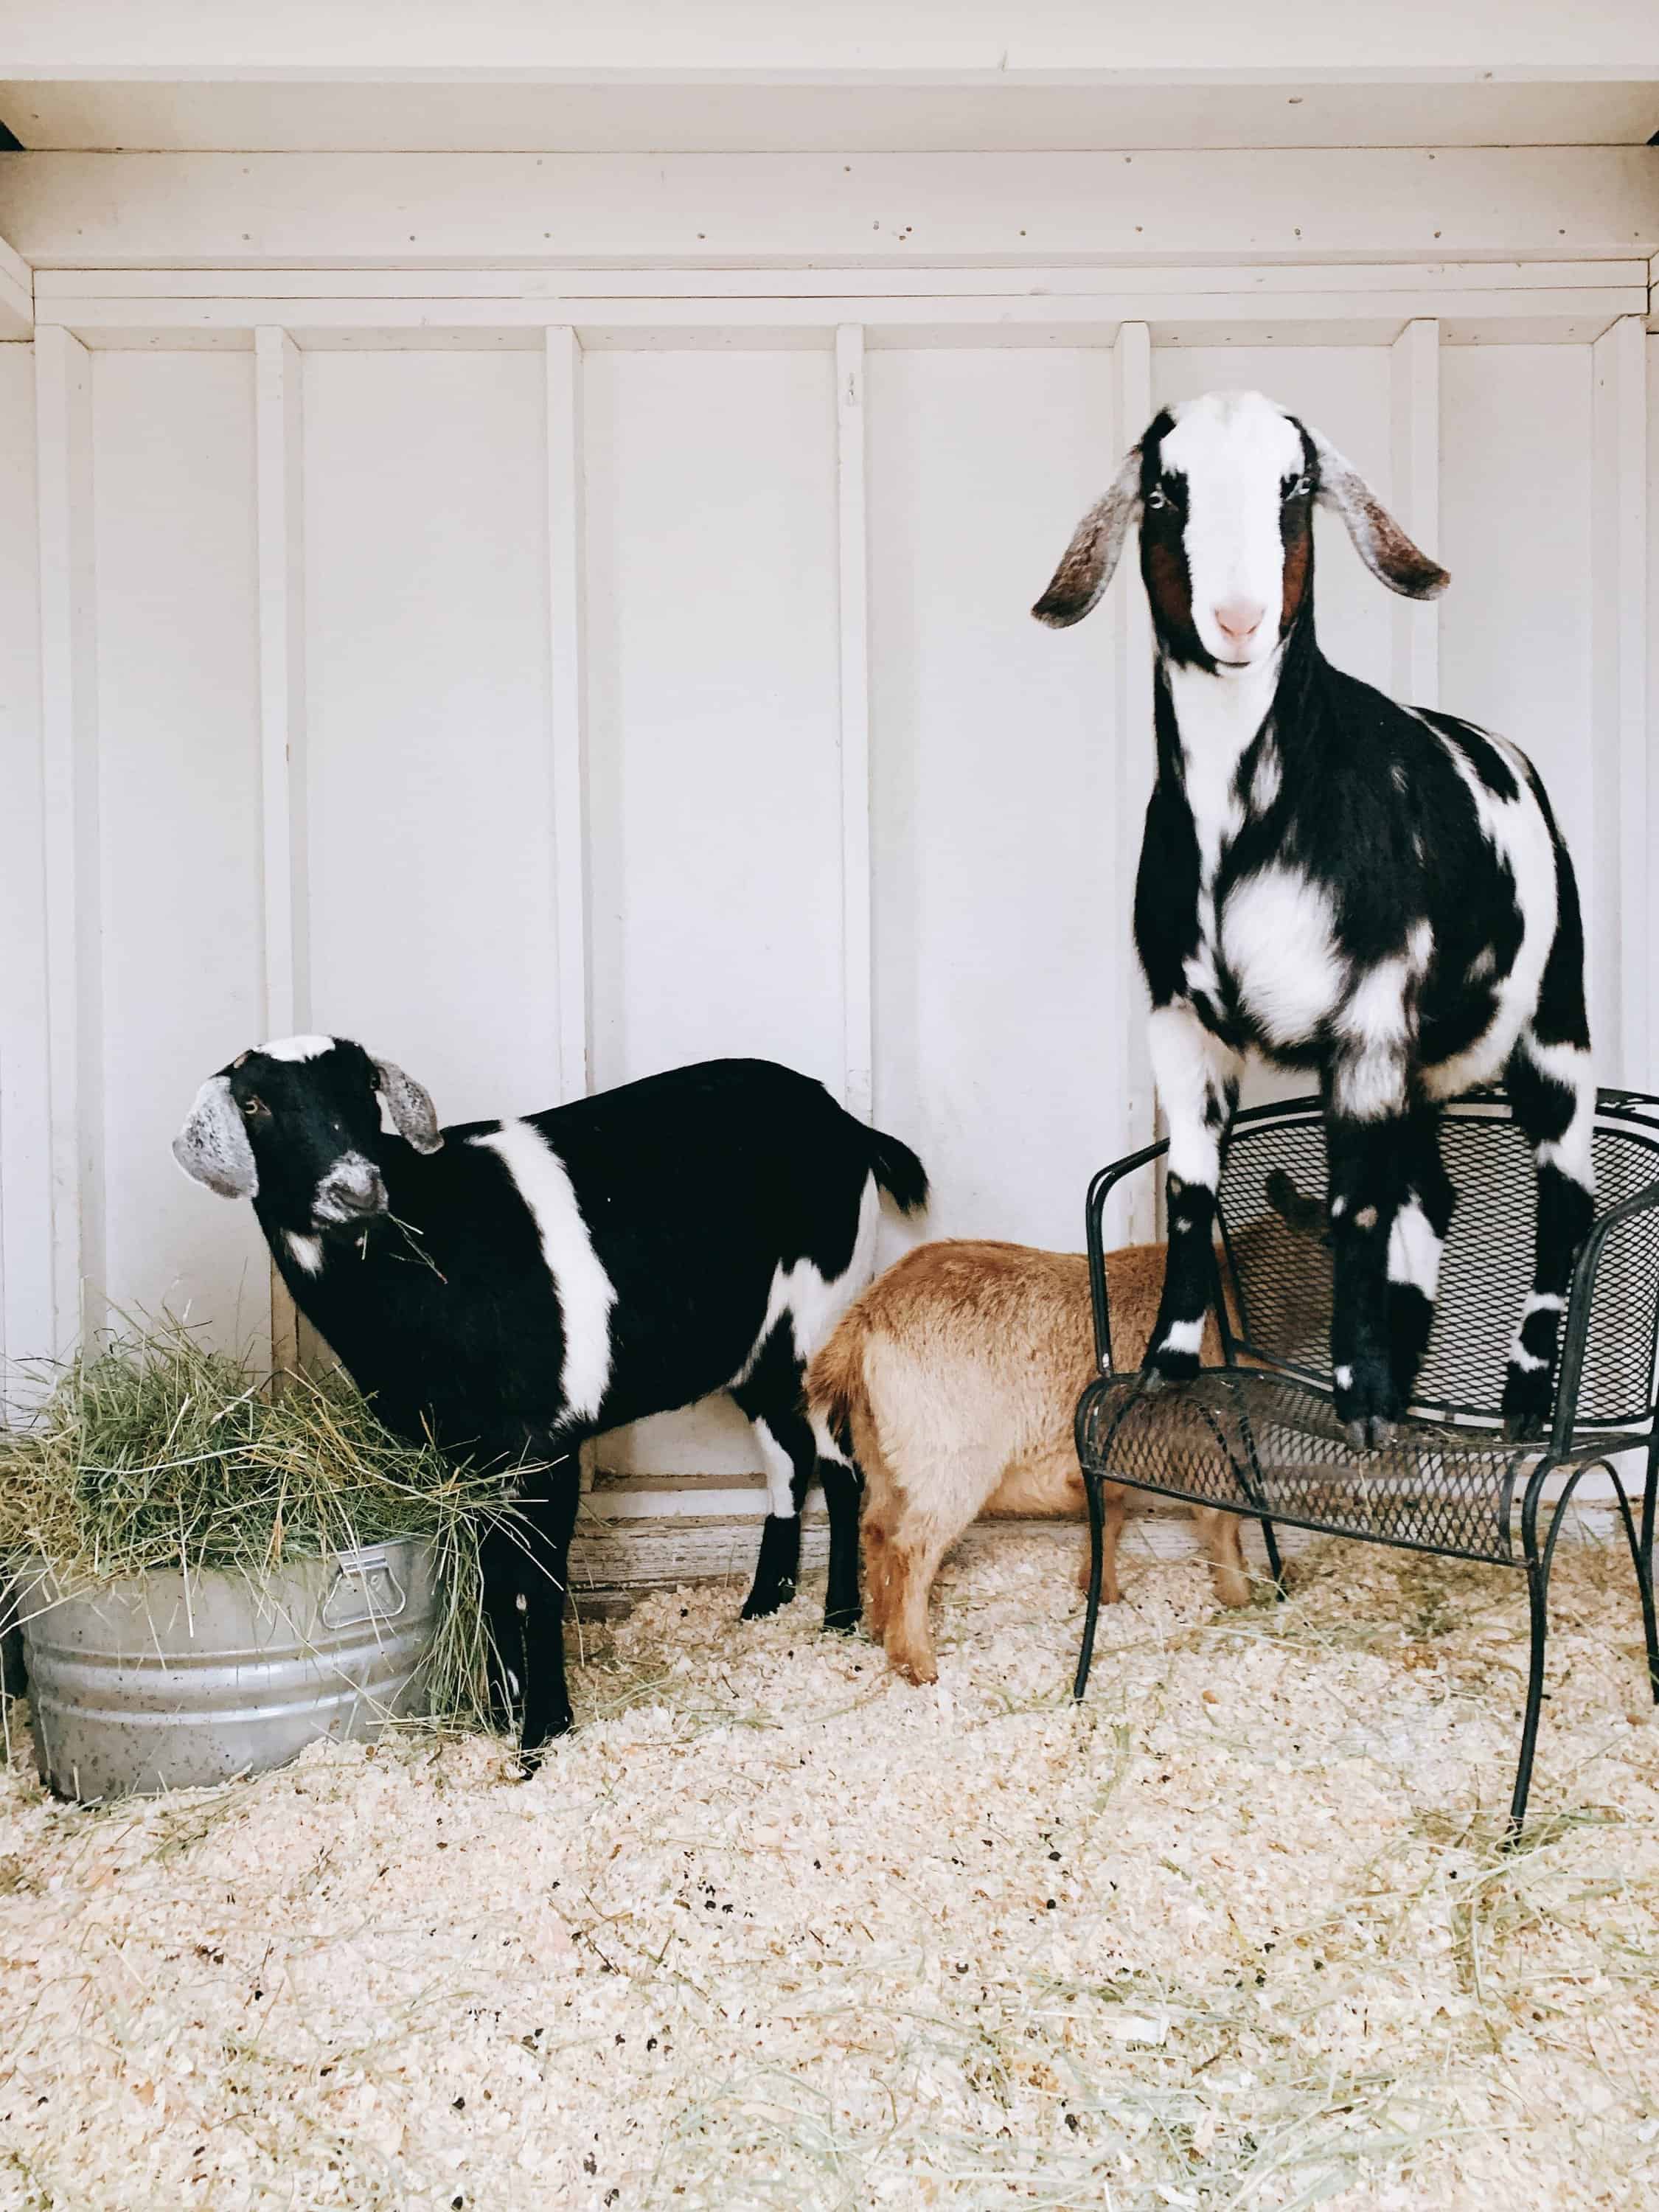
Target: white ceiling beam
(321,211)
(858,41)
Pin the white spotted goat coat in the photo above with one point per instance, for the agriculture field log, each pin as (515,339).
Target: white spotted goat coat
(1373,891)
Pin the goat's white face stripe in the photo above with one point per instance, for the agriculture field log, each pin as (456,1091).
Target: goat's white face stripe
(296,1048)
(586,1292)
(1235,449)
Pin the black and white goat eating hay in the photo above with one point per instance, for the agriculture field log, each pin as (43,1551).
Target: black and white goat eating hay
(521,1285)
(1375,891)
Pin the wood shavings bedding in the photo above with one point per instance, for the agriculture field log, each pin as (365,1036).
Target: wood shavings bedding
(775,1930)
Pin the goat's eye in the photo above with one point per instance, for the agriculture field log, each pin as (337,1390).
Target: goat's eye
(252,1107)
(1158,496)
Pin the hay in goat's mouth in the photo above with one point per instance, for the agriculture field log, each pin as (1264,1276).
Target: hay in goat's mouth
(151,1451)
(772,1932)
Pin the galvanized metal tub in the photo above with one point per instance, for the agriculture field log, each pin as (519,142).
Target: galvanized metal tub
(159,1683)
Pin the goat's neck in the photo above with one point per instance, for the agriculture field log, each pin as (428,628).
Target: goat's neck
(1215,719)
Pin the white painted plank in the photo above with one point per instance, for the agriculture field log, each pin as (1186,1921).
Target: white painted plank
(858,1047)
(178,768)
(872,116)
(1415,396)
(1323,313)
(27,1325)
(280,495)
(1618,583)
(1002,906)
(567,701)
(897,42)
(1133,1215)
(433,937)
(278,407)
(1516,640)
(69,731)
(715,791)
(16,295)
(1255,280)
(439,210)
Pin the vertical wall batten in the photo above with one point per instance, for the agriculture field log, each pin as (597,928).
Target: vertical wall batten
(568,703)
(69,722)
(1623,787)
(1132,395)
(279,470)
(857,991)
(1414,376)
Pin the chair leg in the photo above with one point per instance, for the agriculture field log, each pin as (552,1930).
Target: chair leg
(1644,1556)
(1092,1486)
(1275,1564)
(1538,1584)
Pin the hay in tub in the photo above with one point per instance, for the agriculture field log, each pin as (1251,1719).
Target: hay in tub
(774,1932)
(150,1450)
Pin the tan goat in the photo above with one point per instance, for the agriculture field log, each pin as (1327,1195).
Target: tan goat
(955,1377)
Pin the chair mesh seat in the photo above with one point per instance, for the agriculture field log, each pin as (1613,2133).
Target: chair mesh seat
(1259,1436)
(1266,1443)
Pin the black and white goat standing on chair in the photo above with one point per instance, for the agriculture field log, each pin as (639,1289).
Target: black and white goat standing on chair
(514,1287)
(1374,891)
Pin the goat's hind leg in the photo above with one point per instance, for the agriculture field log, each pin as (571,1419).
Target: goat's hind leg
(1417,1237)
(1552,1090)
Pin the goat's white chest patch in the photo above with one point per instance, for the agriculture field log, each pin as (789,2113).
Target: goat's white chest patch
(585,1291)
(1278,947)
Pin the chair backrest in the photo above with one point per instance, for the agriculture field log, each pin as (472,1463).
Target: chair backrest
(1273,1202)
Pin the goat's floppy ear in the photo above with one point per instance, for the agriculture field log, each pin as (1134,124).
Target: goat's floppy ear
(414,1116)
(1092,554)
(212,1147)
(1380,542)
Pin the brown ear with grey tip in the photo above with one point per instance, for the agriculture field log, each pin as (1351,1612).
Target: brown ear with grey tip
(1097,544)
(414,1116)
(1380,542)
(213,1147)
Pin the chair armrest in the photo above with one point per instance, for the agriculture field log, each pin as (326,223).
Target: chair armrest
(1576,1321)
(1099,1190)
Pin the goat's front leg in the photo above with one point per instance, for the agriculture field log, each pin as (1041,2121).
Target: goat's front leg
(527,1571)
(1365,1162)
(1197,1078)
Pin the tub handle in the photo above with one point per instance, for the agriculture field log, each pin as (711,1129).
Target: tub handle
(364,1590)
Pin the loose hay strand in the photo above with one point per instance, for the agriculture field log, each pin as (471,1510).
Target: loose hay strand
(150,1450)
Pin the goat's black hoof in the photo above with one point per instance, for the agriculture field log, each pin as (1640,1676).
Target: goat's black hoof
(528,1756)
(762,1604)
(1526,1405)
(1168,1367)
(1525,1426)
(1369,1433)
(842,1620)
(1367,1403)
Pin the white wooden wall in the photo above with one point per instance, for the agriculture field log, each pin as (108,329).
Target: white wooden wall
(548,690)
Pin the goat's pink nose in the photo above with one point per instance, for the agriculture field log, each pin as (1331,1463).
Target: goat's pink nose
(1239,619)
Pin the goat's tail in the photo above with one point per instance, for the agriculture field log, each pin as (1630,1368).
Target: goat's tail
(835,1387)
(899,1171)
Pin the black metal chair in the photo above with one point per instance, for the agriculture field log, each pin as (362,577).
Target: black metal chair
(1259,1436)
